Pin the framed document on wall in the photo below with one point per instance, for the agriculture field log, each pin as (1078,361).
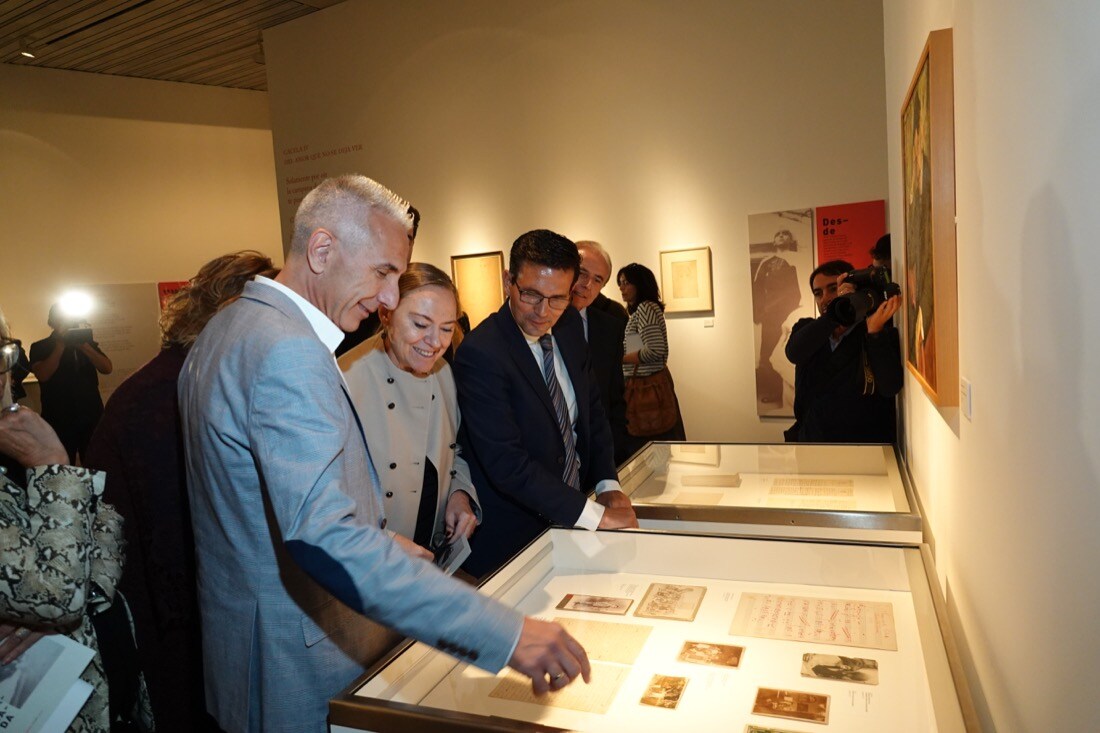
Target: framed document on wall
(480,282)
(928,188)
(685,280)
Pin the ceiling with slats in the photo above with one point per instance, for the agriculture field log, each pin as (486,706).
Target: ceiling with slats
(214,42)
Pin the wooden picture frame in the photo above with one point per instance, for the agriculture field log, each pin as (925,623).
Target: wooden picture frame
(928,199)
(479,279)
(686,285)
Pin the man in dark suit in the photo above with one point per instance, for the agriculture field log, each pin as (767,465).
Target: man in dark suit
(605,340)
(611,307)
(845,377)
(533,426)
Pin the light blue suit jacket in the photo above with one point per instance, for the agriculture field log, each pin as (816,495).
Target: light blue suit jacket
(287,511)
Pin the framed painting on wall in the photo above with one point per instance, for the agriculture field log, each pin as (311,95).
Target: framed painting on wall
(480,282)
(685,280)
(928,189)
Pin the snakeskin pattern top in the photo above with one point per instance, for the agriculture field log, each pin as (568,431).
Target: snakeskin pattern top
(57,540)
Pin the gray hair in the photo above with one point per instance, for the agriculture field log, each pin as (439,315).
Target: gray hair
(343,205)
(5,330)
(598,248)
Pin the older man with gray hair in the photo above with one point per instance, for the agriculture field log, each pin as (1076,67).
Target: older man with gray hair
(605,332)
(292,553)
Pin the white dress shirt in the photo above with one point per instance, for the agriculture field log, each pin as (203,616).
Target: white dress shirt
(593,512)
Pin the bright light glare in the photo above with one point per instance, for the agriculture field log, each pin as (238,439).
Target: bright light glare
(75,304)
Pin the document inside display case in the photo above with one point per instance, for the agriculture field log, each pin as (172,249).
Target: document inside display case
(847,492)
(696,633)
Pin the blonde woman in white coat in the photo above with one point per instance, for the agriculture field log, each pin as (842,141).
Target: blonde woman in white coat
(404,393)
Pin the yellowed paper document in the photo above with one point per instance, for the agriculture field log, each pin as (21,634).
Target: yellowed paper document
(606,640)
(595,697)
(821,620)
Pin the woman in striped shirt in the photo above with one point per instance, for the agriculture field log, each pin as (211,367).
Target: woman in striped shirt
(647,323)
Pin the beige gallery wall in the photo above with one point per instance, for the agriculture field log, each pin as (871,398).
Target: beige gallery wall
(114,180)
(1012,494)
(648,126)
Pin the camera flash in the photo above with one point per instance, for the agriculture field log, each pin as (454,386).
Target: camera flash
(75,304)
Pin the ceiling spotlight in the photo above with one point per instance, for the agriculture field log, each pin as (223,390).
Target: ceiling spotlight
(26,48)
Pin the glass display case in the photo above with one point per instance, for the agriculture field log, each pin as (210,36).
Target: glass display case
(856,493)
(697,633)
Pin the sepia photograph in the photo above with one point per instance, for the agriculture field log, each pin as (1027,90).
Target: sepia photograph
(791,704)
(719,655)
(664,691)
(671,601)
(844,669)
(595,604)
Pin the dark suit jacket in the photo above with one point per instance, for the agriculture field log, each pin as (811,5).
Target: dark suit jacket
(511,440)
(605,340)
(609,306)
(832,401)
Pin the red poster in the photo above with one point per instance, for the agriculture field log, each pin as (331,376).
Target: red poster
(849,231)
(166,290)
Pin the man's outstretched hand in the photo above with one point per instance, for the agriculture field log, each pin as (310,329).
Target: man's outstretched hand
(549,656)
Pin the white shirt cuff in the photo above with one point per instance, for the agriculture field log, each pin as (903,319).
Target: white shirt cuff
(608,484)
(591,515)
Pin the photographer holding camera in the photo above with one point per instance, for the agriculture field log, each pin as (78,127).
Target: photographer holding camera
(66,364)
(848,360)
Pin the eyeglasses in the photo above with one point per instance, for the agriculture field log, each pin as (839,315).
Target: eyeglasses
(9,354)
(530,297)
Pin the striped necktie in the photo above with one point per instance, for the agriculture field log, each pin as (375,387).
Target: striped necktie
(572,472)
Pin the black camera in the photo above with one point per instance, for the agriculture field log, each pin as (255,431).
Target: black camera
(873,287)
(80,333)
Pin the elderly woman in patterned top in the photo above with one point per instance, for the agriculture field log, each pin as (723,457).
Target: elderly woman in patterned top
(61,547)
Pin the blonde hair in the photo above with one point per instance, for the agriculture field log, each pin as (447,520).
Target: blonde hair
(217,283)
(422,275)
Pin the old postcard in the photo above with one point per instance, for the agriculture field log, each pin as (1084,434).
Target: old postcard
(821,620)
(794,705)
(595,604)
(664,691)
(606,640)
(723,480)
(671,601)
(750,728)
(845,669)
(595,697)
(719,655)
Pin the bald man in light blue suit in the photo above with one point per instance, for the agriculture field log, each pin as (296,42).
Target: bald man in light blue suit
(292,556)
